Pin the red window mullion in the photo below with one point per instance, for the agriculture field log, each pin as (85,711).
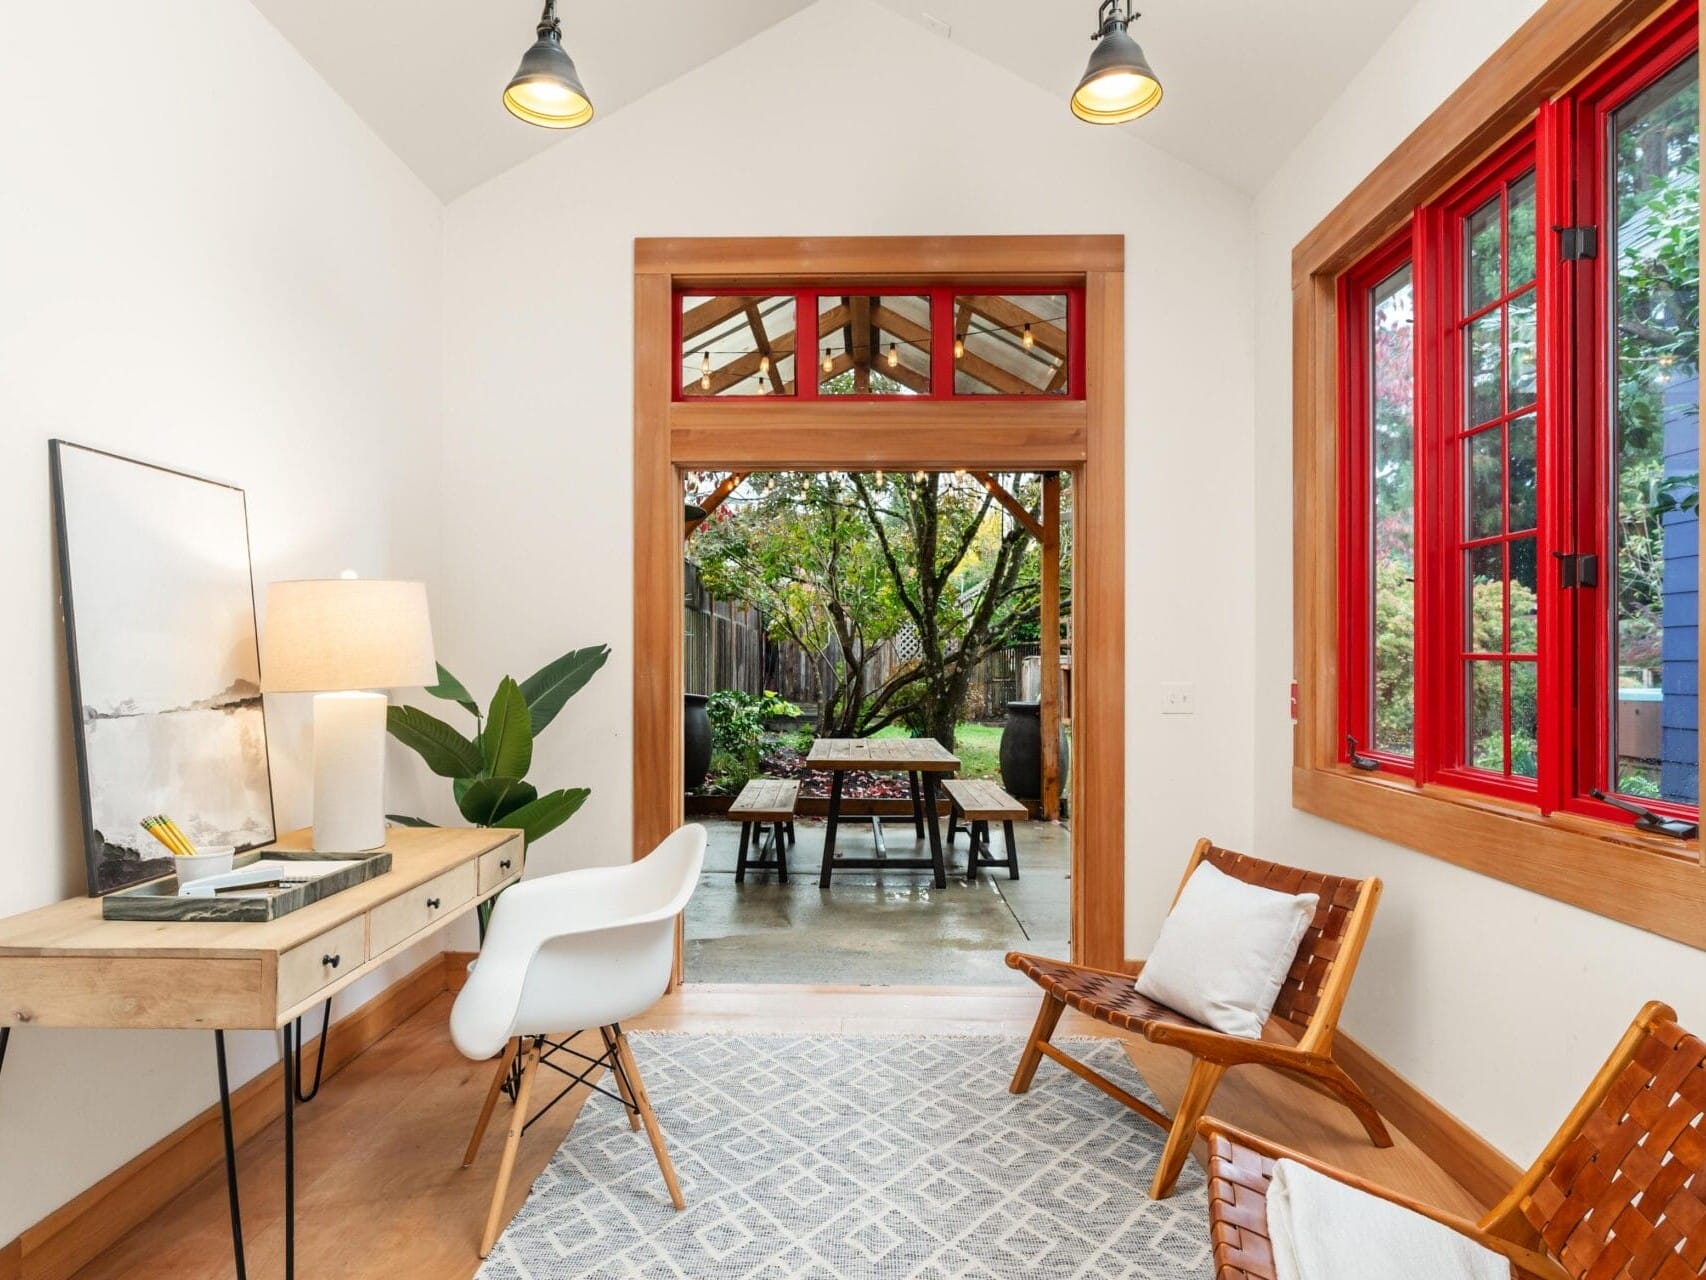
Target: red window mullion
(807,354)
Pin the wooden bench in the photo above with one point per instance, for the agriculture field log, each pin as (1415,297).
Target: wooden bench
(978,803)
(765,807)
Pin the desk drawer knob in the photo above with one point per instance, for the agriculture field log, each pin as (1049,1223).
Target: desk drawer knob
(504,865)
(432,904)
(331,962)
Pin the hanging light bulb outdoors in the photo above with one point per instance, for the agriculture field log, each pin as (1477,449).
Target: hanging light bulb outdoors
(546,90)
(828,361)
(1118,84)
(918,476)
(764,365)
(705,372)
(959,347)
(894,356)
(1029,340)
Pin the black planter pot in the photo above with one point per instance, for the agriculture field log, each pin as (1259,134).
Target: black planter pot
(1022,752)
(696,741)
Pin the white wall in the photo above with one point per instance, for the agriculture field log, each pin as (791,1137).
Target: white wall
(539,337)
(1498,1003)
(207,261)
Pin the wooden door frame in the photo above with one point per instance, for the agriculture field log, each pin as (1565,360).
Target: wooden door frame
(1084,437)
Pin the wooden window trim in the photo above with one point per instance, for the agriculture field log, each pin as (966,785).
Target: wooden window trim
(1651,883)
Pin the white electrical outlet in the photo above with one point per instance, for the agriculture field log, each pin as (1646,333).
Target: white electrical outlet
(1178,699)
(933,23)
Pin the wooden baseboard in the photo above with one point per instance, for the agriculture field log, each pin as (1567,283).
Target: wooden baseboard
(456,969)
(1475,1164)
(77,1232)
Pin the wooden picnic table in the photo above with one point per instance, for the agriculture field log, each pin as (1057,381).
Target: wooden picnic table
(921,759)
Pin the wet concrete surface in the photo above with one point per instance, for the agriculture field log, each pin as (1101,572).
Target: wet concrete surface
(886,928)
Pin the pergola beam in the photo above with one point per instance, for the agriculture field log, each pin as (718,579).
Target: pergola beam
(716,498)
(1031,525)
(1013,318)
(755,322)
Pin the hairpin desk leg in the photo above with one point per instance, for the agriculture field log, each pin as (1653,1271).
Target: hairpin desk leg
(319,1057)
(291,1046)
(230,1153)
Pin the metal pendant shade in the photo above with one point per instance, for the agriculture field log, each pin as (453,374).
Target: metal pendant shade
(1118,84)
(546,89)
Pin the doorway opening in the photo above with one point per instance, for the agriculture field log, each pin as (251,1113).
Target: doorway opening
(861,651)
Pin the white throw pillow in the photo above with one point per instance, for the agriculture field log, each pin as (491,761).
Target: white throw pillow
(1224,951)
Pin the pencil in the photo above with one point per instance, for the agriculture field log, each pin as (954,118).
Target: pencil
(153,828)
(177,834)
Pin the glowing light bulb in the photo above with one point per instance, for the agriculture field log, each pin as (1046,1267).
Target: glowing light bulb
(894,355)
(705,372)
(763,385)
(828,361)
(959,347)
(918,476)
(1029,340)
(879,477)
(961,473)
(705,382)
(764,365)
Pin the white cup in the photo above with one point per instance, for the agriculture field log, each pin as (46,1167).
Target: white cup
(212,861)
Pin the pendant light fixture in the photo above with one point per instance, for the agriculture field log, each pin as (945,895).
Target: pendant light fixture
(546,89)
(1118,85)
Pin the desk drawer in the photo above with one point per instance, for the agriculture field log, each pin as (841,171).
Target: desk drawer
(499,865)
(409,913)
(304,970)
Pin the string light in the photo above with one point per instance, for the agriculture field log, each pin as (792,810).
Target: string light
(828,361)
(894,355)
(763,385)
(1029,340)
(763,366)
(959,347)
(705,372)
(918,476)
(879,477)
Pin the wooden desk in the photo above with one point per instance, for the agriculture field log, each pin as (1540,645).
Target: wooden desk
(64,966)
(921,759)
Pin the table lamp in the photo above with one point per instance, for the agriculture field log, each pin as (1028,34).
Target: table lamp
(339,638)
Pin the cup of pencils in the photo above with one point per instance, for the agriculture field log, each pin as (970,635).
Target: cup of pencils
(189,862)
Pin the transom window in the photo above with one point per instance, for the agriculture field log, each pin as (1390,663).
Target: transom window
(1519,411)
(881,343)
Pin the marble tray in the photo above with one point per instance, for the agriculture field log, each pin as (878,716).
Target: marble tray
(159,900)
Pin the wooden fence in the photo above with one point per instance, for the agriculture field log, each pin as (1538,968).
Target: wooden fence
(727,647)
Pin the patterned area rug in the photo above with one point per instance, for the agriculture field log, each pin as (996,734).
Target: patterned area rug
(880,1158)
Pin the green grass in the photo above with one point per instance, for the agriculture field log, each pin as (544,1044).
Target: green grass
(977,745)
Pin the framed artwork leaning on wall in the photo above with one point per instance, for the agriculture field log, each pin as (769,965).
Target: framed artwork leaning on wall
(159,607)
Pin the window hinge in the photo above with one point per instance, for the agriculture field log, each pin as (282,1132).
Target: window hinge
(1647,820)
(1368,764)
(1577,571)
(1577,243)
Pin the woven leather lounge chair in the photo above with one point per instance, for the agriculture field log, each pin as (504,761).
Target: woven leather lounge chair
(1618,1194)
(1308,1003)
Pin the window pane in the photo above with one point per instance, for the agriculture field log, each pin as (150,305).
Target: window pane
(1484,499)
(1010,345)
(1392,412)
(1484,688)
(1485,278)
(876,346)
(1486,374)
(1520,232)
(1484,585)
(1523,347)
(737,346)
(1521,473)
(1525,710)
(1655,257)
(1524,596)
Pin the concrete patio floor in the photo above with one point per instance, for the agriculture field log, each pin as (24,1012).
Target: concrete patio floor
(875,927)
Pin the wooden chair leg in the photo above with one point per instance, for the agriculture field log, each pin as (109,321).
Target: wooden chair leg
(1047,1018)
(504,1059)
(1205,1076)
(517,1122)
(665,1166)
(1329,1078)
(740,861)
(621,1079)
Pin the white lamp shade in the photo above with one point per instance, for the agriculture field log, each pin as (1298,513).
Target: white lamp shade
(336,634)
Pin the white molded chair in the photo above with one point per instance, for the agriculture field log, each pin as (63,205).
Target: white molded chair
(567,953)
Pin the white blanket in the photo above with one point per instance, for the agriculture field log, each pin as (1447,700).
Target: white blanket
(1322,1229)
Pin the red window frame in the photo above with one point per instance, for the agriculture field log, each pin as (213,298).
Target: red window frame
(1565,147)
(1356,507)
(942,337)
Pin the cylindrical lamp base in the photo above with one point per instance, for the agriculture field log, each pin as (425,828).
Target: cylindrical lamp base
(349,772)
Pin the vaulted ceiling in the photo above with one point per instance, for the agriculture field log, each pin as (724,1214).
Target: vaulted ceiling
(1245,79)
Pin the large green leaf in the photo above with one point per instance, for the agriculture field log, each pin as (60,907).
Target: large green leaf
(546,814)
(453,690)
(404,820)
(507,743)
(547,689)
(446,752)
(488,800)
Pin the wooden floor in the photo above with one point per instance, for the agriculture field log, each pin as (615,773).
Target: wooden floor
(380,1192)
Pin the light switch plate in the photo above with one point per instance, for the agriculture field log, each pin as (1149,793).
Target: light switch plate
(1178,699)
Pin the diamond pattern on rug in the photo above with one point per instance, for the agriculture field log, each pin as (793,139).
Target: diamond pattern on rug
(827,1158)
